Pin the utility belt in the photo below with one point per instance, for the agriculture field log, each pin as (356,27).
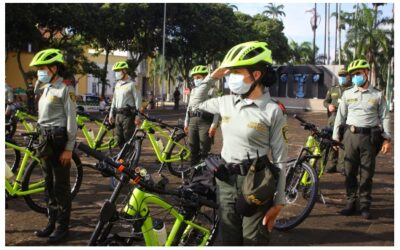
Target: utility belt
(361,130)
(123,111)
(224,170)
(52,130)
(202,114)
(52,140)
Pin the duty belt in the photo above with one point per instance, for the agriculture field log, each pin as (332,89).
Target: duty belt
(360,130)
(125,111)
(201,114)
(51,130)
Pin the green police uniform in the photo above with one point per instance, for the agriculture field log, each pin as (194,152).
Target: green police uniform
(125,93)
(248,127)
(364,113)
(199,122)
(333,96)
(57,127)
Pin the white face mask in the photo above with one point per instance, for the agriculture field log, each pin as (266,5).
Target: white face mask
(237,85)
(197,82)
(119,75)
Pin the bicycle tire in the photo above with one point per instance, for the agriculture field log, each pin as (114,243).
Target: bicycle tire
(301,200)
(11,128)
(180,168)
(37,202)
(13,156)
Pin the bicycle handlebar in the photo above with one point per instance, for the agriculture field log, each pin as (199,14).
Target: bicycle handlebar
(152,119)
(182,193)
(317,132)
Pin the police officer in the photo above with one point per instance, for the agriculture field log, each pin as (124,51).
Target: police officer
(252,124)
(331,103)
(57,127)
(364,111)
(126,93)
(200,125)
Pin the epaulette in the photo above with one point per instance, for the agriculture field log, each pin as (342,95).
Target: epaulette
(280,105)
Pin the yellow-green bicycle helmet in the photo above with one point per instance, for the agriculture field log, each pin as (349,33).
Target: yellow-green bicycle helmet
(199,69)
(246,54)
(120,65)
(357,64)
(47,57)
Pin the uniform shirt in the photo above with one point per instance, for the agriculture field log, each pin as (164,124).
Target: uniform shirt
(363,109)
(249,126)
(198,95)
(57,107)
(125,93)
(333,96)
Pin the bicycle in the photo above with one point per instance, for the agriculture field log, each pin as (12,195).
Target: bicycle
(29,182)
(174,155)
(104,133)
(134,212)
(19,116)
(302,176)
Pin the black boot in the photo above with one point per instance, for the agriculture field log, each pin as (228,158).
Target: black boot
(59,235)
(45,232)
(349,209)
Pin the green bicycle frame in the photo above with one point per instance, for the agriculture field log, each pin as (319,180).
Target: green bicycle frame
(138,205)
(162,152)
(22,116)
(313,146)
(14,189)
(92,142)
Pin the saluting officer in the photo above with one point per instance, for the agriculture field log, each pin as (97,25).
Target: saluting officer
(364,111)
(252,125)
(331,103)
(200,125)
(126,93)
(57,127)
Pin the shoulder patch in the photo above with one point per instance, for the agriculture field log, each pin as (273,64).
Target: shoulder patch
(285,130)
(72,96)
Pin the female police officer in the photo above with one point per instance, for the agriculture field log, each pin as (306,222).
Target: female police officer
(57,127)
(200,125)
(252,124)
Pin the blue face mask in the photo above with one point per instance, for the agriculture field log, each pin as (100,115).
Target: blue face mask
(237,85)
(358,80)
(197,82)
(43,76)
(342,80)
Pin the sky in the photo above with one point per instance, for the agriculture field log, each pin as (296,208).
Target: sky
(297,21)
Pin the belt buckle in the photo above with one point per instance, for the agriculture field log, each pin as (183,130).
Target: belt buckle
(352,129)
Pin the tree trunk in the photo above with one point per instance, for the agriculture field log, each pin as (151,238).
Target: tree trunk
(336,32)
(104,75)
(21,69)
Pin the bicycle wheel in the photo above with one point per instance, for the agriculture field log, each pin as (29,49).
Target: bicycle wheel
(13,156)
(180,168)
(34,174)
(301,195)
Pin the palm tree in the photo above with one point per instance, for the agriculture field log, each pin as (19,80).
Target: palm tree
(274,11)
(232,6)
(301,54)
(373,42)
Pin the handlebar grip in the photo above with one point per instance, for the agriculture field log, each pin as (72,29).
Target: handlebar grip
(299,118)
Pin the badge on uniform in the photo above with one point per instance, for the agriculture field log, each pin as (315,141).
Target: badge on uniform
(72,96)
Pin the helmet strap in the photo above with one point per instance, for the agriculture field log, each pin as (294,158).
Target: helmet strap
(253,85)
(53,74)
